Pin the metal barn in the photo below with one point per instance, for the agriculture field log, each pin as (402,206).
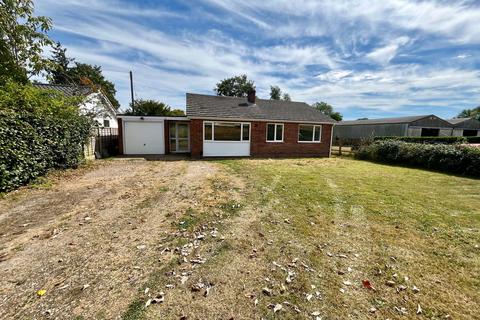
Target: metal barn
(414,126)
(466,127)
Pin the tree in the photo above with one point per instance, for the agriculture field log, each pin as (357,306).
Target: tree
(237,86)
(22,38)
(275,93)
(58,72)
(470,113)
(328,110)
(150,107)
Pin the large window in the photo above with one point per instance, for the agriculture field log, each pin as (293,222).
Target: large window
(274,132)
(226,131)
(309,133)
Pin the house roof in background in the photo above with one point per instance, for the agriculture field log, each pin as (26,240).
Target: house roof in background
(219,107)
(68,90)
(384,120)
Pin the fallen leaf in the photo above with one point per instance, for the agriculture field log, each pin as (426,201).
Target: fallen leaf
(419,309)
(366,283)
(266,291)
(146,290)
(85,286)
(277,308)
(347,283)
(390,283)
(309,297)
(372,310)
(315,313)
(415,289)
(41,292)
(149,301)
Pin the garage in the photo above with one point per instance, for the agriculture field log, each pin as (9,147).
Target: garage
(144,137)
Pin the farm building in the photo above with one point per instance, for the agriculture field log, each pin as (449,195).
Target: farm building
(426,125)
(466,127)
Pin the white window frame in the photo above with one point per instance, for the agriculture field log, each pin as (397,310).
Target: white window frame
(315,127)
(212,123)
(274,132)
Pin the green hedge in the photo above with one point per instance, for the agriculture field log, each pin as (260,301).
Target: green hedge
(434,140)
(449,158)
(473,139)
(39,130)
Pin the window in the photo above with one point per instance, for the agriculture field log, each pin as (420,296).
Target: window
(106,123)
(309,133)
(274,132)
(226,131)
(208,131)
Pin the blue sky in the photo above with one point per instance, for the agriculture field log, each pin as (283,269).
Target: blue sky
(367,58)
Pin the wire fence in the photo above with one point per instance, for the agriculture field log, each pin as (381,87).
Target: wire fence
(102,144)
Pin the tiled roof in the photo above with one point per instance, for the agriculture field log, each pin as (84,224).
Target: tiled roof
(219,107)
(68,90)
(383,120)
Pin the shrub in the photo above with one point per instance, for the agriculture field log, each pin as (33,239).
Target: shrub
(473,139)
(449,158)
(39,130)
(432,140)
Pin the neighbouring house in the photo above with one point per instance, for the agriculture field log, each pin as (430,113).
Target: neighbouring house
(465,127)
(216,126)
(94,103)
(413,126)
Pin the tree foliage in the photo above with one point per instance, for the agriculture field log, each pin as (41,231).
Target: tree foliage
(470,113)
(328,110)
(153,108)
(23,37)
(277,94)
(61,71)
(237,86)
(39,130)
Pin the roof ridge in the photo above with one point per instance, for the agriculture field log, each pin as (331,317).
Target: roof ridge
(230,97)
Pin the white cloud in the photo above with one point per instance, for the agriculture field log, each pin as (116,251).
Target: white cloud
(385,54)
(272,49)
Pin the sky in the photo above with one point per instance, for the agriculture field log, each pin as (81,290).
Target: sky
(367,58)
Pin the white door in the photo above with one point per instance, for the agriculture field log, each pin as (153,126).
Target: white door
(143,137)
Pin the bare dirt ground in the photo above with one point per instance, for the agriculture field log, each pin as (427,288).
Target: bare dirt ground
(93,238)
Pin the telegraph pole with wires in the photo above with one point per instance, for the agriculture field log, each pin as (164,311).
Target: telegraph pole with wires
(131,92)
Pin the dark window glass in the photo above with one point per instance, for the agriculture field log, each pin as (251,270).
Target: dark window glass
(270,132)
(208,131)
(225,131)
(318,130)
(172,130)
(279,132)
(106,123)
(305,133)
(469,133)
(246,132)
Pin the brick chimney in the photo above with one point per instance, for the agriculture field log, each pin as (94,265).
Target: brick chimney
(251,96)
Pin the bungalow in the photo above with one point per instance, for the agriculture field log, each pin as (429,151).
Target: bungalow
(217,126)
(95,104)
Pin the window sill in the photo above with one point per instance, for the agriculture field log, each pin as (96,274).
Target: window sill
(309,142)
(274,141)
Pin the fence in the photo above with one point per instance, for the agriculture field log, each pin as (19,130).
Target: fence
(103,143)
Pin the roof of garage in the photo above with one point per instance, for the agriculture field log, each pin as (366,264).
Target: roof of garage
(219,107)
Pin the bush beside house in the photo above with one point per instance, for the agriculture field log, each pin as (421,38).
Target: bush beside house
(39,130)
(443,157)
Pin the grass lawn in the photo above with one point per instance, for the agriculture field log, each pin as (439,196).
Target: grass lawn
(331,223)
(243,239)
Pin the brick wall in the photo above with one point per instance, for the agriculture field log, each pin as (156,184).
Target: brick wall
(260,148)
(290,146)
(196,138)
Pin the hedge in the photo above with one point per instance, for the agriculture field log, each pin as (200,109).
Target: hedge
(442,140)
(39,130)
(443,157)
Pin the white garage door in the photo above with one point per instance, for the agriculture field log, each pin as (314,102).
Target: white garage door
(143,137)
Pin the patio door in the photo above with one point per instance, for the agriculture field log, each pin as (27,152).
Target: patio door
(179,137)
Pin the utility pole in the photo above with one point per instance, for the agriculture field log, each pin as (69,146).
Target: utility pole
(131,91)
